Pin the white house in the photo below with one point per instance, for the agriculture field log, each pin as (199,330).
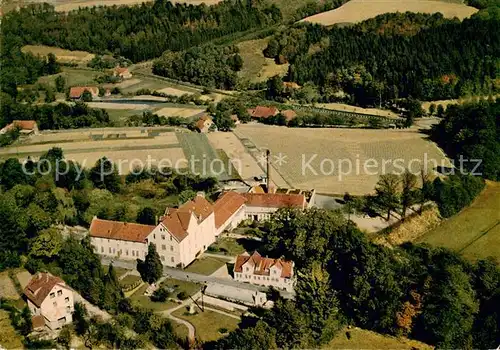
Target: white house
(256,269)
(184,233)
(50,301)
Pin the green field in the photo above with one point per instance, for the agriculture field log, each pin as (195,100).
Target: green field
(208,323)
(475,231)
(73,76)
(206,265)
(203,159)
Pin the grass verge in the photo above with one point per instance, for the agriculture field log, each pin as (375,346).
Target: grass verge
(206,265)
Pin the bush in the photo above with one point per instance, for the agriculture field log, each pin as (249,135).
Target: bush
(160,295)
(182,295)
(223,330)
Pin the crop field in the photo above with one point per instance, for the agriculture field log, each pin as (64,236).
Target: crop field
(73,77)
(256,67)
(475,231)
(175,92)
(242,160)
(334,161)
(356,11)
(127,146)
(205,160)
(356,109)
(62,55)
(184,112)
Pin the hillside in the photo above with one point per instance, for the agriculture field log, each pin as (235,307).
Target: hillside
(356,11)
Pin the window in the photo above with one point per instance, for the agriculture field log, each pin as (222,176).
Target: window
(172,259)
(126,252)
(66,299)
(114,250)
(68,308)
(163,247)
(133,252)
(52,295)
(162,258)
(109,250)
(171,248)
(154,236)
(247,269)
(102,249)
(163,237)
(59,292)
(170,237)
(54,303)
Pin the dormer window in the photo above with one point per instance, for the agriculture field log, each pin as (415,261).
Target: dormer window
(52,295)
(59,292)
(163,237)
(247,269)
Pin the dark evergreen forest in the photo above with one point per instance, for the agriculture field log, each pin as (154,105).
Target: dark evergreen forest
(445,60)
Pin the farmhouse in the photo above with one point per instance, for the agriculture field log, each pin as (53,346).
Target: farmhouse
(76,92)
(204,123)
(26,127)
(262,112)
(291,85)
(184,233)
(122,72)
(256,269)
(289,114)
(50,301)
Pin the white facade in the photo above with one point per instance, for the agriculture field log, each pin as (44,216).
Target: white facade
(274,279)
(116,248)
(259,213)
(233,221)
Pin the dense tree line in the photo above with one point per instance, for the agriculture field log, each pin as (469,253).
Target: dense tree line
(429,294)
(138,32)
(439,62)
(54,117)
(472,132)
(210,65)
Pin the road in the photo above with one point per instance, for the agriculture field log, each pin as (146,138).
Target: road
(191,276)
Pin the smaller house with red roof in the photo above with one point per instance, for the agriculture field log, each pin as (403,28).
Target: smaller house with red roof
(26,127)
(262,112)
(256,269)
(204,123)
(76,92)
(50,301)
(122,72)
(260,206)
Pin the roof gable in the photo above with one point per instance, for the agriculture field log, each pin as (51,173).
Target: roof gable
(262,266)
(41,285)
(226,206)
(124,231)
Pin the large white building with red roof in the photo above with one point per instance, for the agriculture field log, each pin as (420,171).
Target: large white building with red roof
(183,233)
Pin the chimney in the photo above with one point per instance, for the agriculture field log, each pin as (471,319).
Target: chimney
(268,158)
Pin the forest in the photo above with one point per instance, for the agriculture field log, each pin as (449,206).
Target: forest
(209,65)
(445,60)
(139,32)
(429,294)
(472,131)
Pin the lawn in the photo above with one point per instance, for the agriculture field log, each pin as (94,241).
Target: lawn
(208,323)
(129,280)
(362,339)
(120,271)
(475,231)
(232,246)
(206,265)
(73,76)
(9,338)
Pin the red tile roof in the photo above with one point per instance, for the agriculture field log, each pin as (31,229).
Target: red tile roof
(177,220)
(40,286)
(200,124)
(263,112)
(262,265)
(121,70)
(226,206)
(22,124)
(275,200)
(77,91)
(124,231)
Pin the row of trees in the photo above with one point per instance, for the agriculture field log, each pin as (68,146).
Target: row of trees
(437,62)
(136,32)
(432,295)
(210,65)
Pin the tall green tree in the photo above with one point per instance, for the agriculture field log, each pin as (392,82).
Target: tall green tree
(387,193)
(151,269)
(408,191)
(104,175)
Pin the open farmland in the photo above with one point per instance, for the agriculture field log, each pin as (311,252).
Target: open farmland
(186,111)
(119,144)
(475,231)
(356,11)
(73,77)
(336,161)
(356,109)
(62,55)
(205,160)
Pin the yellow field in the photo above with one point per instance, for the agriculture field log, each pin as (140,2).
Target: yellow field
(356,109)
(174,91)
(81,147)
(256,67)
(62,55)
(179,112)
(356,11)
(341,160)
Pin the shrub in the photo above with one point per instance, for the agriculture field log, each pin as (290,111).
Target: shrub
(182,295)
(160,295)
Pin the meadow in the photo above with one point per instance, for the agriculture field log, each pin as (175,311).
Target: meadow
(62,55)
(320,158)
(356,11)
(475,231)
